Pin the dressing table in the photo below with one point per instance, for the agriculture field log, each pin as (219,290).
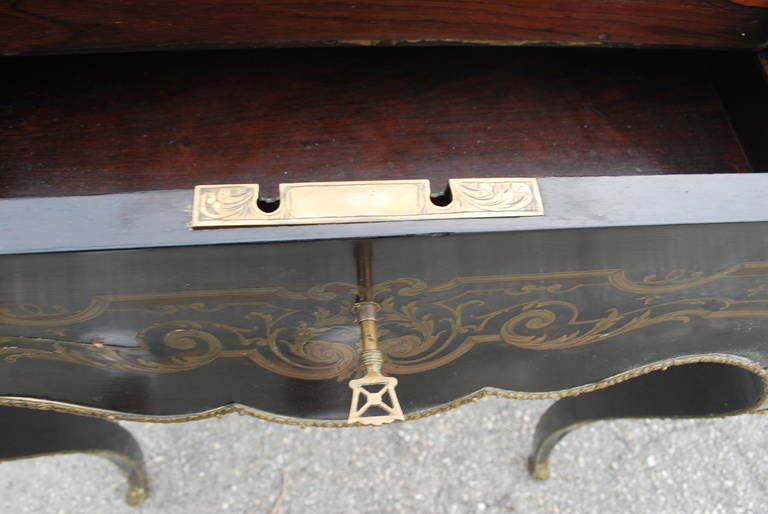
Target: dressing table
(335,214)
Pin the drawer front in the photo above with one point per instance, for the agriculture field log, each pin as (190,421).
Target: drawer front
(181,331)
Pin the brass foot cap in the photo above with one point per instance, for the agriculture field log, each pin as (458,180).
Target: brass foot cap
(538,470)
(136,496)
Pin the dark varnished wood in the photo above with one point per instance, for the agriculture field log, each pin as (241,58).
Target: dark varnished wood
(148,331)
(28,433)
(107,124)
(48,26)
(743,86)
(161,218)
(200,293)
(693,390)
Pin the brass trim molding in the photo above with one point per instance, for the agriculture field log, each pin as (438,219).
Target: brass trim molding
(218,412)
(364,201)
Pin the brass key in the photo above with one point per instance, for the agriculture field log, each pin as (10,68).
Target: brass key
(373,386)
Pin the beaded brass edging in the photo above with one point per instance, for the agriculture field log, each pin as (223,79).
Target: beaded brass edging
(69,408)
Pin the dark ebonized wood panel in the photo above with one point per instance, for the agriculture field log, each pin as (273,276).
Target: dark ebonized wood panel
(138,122)
(172,331)
(162,218)
(29,433)
(49,26)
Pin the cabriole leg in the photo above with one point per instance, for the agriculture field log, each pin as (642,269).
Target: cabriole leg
(690,390)
(28,433)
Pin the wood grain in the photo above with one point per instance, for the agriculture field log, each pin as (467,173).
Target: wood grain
(53,26)
(743,87)
(108,124)
(752,3)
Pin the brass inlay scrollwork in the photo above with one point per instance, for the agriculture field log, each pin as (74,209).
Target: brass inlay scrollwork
(312,333)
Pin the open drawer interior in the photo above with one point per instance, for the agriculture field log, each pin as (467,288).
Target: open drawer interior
(96,124)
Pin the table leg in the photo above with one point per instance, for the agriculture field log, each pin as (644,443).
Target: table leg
(690,390)
(28,433)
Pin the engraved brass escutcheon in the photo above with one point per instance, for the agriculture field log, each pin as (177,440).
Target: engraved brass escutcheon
(363,201)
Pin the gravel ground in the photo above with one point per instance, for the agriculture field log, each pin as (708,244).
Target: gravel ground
(472,459)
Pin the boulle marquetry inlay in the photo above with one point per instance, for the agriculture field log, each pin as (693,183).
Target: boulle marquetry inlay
(313,334)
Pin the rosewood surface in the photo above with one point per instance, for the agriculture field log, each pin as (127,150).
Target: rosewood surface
(138,122)
(743,87)
(50,26)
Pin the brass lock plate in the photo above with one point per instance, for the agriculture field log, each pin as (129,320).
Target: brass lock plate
(365,201)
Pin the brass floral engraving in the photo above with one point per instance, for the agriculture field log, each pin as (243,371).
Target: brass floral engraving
(312,333)
(499,196)
(228,203)
(362,201)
